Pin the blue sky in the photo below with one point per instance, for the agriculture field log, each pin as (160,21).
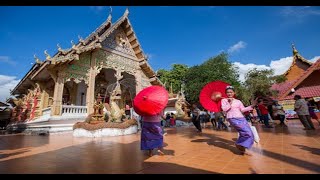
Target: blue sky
(254,36)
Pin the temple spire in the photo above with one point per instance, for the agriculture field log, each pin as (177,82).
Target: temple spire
(295,51)
(126,12)
(110,14)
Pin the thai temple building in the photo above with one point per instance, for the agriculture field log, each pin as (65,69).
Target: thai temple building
(302,79)
(62,88)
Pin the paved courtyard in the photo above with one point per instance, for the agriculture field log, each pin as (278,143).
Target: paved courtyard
(281,151)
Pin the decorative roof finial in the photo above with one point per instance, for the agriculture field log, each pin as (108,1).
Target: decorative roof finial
(73,45)
(295,51)
(37,59)
(110,13)
(47,55)
(59,47)
(126,12)
(80,39)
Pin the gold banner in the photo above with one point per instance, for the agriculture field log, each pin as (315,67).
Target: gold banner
(287,104)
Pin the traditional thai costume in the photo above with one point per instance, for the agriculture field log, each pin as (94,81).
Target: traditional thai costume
(151,134)
(238,121)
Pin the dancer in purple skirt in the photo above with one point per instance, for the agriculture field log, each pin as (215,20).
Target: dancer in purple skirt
(234,109)
(151,134)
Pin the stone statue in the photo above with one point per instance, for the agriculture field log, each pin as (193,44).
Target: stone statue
(98,115)
(179,104)
(116,113)
(181,108)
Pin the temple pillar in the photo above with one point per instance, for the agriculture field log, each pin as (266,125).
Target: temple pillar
(91,83)
(73,93)
(57,95)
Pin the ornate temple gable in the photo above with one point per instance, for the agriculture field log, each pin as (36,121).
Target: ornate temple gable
(118,41)
(124,24)
(105,59)
(78,70)
(119,37)
(93,41)
(298,67)
(315,67)
(296,70)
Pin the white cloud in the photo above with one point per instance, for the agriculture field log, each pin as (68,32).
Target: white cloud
(236,47)
(7,83)
(244,68)
(279,66)
(315,59)
(6,59)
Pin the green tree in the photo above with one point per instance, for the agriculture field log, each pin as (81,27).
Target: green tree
(175,76)
(215,68)
(259,82)
(278,79)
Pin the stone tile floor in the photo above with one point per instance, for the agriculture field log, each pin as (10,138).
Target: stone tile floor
(280,151)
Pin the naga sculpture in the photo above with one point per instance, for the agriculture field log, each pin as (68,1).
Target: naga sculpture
(181,107)
(116,113)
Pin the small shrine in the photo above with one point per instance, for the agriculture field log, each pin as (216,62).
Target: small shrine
(107,119)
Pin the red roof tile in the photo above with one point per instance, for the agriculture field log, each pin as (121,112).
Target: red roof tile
(282,87)
(304,92)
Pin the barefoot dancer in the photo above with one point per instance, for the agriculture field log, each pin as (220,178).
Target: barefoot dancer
(151,134)
(234,109)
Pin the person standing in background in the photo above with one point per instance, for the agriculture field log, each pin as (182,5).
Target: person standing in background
(302,109)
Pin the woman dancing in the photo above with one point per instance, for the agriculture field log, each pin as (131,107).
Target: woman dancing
(234,109)
(151,134)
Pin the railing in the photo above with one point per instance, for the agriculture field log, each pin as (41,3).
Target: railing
(73,110)
(46,111)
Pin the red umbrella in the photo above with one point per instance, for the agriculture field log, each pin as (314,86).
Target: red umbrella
(150,101)
(211,94)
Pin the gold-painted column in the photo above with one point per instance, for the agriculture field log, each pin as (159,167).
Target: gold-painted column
(91,84)
(57,95)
